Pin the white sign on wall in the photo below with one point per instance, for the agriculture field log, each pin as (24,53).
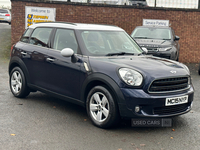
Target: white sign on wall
(152,22)
(39,14)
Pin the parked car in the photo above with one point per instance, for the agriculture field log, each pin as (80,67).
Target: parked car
(142,3)
(5,16)
(159,41)
(101,68)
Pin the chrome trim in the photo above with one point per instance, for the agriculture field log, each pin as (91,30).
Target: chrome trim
(50,60)
(189,85)
(86,66)
(172,71)
(23,53)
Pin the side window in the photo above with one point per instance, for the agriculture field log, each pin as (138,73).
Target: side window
(40,36)
(65,38)
(26,35)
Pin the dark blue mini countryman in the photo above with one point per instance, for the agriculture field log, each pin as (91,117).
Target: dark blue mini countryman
(101,68)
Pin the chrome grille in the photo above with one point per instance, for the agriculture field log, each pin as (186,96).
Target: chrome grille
(169,85)
(152,49)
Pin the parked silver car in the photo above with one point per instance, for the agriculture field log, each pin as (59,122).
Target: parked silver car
(5,16)
(141,3)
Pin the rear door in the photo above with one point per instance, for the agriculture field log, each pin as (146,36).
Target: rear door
(33,54)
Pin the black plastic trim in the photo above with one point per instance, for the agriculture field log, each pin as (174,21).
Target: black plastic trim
(21,64)
(60,96)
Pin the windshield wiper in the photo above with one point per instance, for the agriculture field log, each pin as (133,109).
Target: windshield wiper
(121,53)
(140,37)
(141,54)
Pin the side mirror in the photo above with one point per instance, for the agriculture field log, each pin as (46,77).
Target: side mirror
(145,50)
(68,52)
(176,38)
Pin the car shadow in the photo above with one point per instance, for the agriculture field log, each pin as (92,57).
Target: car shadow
(79,113)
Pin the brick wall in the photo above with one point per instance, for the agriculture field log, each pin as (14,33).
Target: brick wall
(186,23)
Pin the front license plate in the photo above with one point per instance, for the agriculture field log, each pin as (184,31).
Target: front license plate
(176,100)
(152,122)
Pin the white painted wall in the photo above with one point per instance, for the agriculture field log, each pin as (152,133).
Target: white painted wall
(174,3)
(5,4)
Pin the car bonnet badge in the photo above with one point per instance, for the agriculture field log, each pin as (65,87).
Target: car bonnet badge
(173,71)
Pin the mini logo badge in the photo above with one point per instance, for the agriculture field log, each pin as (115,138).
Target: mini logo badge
(173,71)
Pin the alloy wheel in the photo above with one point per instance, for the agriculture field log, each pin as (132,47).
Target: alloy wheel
(99,107)
(16,82)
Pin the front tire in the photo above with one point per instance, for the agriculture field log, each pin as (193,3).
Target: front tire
(18,85)
(101,107)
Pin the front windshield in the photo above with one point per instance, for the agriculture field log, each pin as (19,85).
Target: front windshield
(152,33)
(102,43)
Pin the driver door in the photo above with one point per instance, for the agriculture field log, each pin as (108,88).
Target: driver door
(63,75)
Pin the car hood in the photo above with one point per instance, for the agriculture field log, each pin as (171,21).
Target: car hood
(156,42)
(149,66)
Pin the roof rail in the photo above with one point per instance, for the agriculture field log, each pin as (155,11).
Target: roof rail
(59,22)
(107,25)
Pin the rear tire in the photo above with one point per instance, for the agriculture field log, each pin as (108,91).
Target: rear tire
(101,107)
(199,69)
(18,85)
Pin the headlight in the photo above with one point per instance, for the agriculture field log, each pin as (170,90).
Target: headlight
(189,80)
(165,48)
(187,69)
(131,77)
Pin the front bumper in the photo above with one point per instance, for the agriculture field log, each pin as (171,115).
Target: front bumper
(165,54)
(152,105)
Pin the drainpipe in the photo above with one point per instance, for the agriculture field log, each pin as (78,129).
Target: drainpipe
(155,3)
(199,5)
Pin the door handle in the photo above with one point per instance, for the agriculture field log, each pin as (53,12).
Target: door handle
(24,53)
(50,60)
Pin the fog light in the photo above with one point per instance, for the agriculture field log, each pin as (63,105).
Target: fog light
(137,108)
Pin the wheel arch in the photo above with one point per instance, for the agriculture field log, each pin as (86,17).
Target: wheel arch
(17,62)
(102,79)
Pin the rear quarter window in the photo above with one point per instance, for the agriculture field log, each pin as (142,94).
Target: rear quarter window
(26,35)
(40,37)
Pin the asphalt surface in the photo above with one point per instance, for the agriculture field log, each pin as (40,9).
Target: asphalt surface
(41,122)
